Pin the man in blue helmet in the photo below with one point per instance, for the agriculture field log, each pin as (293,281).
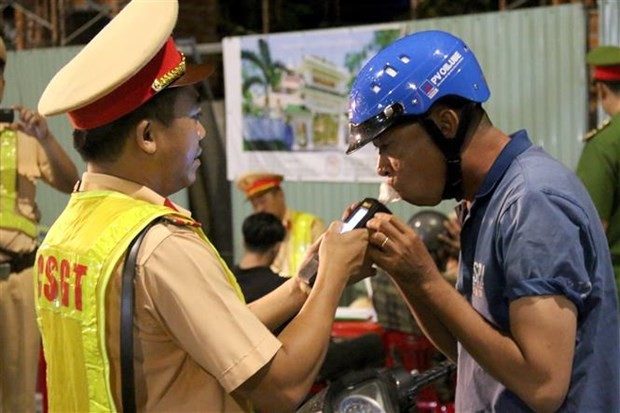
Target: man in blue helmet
(533,322)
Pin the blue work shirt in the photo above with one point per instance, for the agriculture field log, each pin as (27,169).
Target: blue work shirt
(532,230)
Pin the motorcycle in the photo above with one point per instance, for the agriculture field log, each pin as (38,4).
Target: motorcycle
(383,390)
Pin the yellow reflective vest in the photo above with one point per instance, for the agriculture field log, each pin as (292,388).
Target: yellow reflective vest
(9,214)
(301,238)
(73,267)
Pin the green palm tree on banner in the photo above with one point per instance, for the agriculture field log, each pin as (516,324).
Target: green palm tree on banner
(269,71)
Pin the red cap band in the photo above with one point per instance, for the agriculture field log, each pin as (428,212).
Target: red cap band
(261,185)
(608,72)
(165,67)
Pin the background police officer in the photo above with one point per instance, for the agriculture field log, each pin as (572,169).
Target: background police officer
(28,152)
(265,193)
(599,165)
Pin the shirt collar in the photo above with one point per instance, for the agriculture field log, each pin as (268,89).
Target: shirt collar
(519,142)
(101,182)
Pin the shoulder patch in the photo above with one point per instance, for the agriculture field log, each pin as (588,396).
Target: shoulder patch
(595,131)
(180,221)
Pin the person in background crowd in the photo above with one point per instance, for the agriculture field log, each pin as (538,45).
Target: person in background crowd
(533,322)
(599,164)
(189,341)
(262,234)
(28,152)
(264,191)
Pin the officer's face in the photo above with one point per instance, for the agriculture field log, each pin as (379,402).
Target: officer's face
(411,164)
(179,149)
(271,201)
(606,98)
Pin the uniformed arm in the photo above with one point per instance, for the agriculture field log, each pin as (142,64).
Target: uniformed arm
(277,307)
(63,172)
(283,383)
(597,169)
(533,359)
(281,304)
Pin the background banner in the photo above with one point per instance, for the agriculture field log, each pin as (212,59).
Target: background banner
(286,102)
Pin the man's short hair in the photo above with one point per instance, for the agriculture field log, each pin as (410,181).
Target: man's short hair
(262,231)
(105,143)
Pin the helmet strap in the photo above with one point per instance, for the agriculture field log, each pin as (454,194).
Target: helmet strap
(451,149)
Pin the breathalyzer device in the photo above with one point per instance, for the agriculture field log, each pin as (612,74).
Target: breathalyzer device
(357,219)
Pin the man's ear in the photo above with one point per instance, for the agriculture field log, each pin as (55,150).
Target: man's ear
(447,120)
(144,136)
(603,90)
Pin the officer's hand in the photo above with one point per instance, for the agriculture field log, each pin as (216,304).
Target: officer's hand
(348,210)
(368,269)
(396,248)
(342,254)
(31,123)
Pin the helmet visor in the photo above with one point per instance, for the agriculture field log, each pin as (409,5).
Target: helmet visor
(363,133)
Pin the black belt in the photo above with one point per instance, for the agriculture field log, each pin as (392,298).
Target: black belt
(17,263)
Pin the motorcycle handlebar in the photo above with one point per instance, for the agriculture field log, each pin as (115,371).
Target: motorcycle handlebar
(425,378)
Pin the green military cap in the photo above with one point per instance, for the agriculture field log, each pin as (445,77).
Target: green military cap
(606,62)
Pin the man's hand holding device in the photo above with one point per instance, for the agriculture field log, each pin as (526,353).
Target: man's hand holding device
(357,218)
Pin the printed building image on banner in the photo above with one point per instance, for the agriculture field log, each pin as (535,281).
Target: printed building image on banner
(286,102)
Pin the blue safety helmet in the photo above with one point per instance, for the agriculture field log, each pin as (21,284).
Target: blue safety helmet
(406,78)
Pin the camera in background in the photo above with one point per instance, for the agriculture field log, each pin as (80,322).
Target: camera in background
(7,115)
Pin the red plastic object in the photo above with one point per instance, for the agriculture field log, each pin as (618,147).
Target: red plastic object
(350,329)
(415,352)
(411,351)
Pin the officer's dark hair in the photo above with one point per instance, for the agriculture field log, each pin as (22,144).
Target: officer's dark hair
(262,231)
(105,143)
(613,85)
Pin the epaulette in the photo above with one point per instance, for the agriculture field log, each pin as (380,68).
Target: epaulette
(181,221)
(593,132)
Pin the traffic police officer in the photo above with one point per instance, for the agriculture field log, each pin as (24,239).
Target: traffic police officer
(196,345)
(264,191)
(599,165)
